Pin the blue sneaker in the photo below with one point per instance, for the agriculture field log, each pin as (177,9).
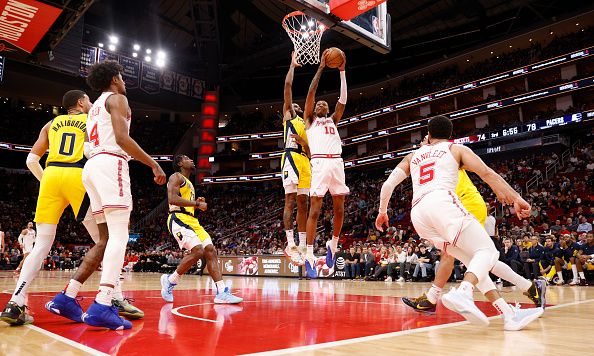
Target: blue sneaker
(226,297)
(310,271)
(167,288)
(329,259)
(65,306)
(105,316)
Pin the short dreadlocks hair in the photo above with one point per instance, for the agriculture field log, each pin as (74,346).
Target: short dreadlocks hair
(101,74)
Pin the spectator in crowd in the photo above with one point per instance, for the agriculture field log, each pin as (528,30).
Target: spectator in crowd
(535,254)
(584,226)
(425,263)
(367,262)
(352,263)
(398,263)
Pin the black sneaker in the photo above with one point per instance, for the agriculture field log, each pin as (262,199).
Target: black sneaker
(537,292)
(420,304)
(583,282)
(15,315)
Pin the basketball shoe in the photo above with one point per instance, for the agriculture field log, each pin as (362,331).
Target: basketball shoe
(420,304)
(167,288)
(292,252)
(521,318)
(125,308)
(537,292)
(16,315)
(105,316)
(225,297)
(66,307)
(463,304)
(310,267)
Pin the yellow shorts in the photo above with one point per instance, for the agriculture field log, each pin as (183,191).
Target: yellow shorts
(60,187)
(187,231)
(296,171)
(476,206)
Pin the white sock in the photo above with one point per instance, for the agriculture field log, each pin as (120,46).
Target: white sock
(302,239)
(560,274)
(104,296)
(220,286)
(434,294)
(310,250)
(334,244)
(575,272)
(507,273)
(117,291)
(72,288)
(290,238)
(503,308)
(466,288)
(43,243)
(174,278)
(582,276)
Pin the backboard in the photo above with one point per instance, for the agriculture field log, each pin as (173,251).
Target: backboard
(372,28)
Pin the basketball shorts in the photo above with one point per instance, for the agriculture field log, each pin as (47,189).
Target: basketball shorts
(60,187)
(27,246)
(187,231)
(327,174)
(476,207)
(439,216)
(296,171)
(106,178)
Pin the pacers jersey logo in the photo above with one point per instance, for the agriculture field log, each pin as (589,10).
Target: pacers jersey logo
(286,174)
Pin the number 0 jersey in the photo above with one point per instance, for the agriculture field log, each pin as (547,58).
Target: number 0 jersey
(433,167)
(66,138)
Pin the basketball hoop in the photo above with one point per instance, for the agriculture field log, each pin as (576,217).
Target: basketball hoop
(305,33)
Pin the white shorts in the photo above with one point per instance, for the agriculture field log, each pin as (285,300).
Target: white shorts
(439,216)
(106,178)
(327,174)
(27,246)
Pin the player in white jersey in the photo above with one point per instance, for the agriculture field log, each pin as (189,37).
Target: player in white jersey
(438,215)
(1,240)
(26,241)
(327,167)
(107,182)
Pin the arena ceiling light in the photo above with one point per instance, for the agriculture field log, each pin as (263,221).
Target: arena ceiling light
(148,51)
(147,58)
(160,62)
(134,54)
(161,55)
(112,47)
(136,47)
(100,44)
(114,39)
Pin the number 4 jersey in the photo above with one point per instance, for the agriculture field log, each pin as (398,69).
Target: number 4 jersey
(101,133)
(433,167)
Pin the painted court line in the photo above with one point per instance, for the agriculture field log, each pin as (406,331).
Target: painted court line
(387,335)
(69,342)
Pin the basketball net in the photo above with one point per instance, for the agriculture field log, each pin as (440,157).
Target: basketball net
(306,34)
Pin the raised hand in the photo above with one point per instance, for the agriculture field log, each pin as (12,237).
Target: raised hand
(160,177)
(323,58)
(294,62)
(522,208)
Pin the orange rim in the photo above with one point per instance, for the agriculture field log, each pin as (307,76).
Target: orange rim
(299,13)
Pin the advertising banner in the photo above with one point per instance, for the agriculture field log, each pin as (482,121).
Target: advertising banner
(24,22)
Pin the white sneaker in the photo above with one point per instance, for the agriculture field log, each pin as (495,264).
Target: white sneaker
(388,279)
(463,304)
(521,318)
(574,282)
(400,279)
(293,253)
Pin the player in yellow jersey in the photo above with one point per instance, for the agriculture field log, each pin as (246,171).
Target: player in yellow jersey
(189,234)
(296,170)
(472,200)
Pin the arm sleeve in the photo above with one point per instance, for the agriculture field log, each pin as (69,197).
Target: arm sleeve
(395,178)
(34,166)
(21,239)
(343,88)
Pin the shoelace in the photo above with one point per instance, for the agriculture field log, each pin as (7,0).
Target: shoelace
(170,288)
(129,300)
(78,299)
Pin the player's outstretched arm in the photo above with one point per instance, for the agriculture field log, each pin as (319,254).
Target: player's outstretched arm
(341,103)
(173,197)
(505,193)
(288,111)
(310,101)
(37,151)
(303,144)
(118,108)
(399,174)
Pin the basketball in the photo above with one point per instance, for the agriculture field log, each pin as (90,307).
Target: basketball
(334,57)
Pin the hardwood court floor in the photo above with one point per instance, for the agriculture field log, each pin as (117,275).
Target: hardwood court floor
(282,316)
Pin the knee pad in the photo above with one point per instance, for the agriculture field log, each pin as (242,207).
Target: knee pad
(485,284)
(117,216)
(483,261)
